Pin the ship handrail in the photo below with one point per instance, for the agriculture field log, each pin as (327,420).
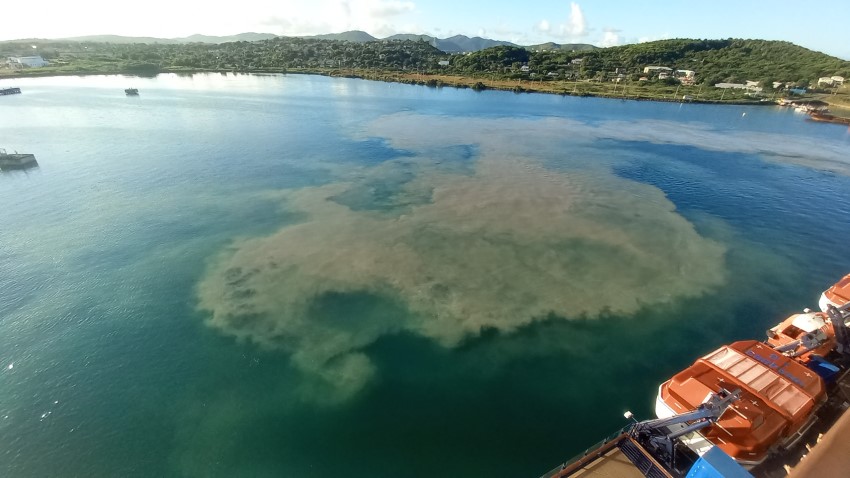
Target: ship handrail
(594,451)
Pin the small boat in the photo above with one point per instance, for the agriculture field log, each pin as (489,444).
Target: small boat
(16,160)
(132,92)
(827,118)
(10,91)
(837,296)
(804,337)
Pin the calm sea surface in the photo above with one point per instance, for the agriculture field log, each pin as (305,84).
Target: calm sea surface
(244,275)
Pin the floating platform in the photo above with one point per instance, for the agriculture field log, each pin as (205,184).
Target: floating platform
(11,161)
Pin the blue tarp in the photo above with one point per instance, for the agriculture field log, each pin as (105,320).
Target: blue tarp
(717,464)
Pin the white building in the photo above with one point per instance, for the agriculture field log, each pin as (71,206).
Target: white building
(686,73)
(443,62)
(826,80)
(657,69)
(838,80)
(739,86)
(26,62)
(577,61)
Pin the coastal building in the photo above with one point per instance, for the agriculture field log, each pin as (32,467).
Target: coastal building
(750,86)
(686,77)
(443,63)
(737,86)
(18,62)
(826,80)
(838,80)
(657,69)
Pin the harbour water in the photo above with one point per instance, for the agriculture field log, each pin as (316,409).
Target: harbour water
(265,275)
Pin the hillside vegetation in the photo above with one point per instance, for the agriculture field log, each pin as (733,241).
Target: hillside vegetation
(616,71)
(714,61)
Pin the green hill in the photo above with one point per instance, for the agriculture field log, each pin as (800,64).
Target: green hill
(563,46)
(714,61)
(354,36)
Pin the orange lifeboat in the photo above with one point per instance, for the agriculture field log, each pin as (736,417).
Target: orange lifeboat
(803,336)
(778,401)
(837,295)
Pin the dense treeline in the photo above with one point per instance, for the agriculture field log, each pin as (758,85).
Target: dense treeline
(714,61)
(275,54)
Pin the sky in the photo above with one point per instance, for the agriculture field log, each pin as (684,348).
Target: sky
(599,22)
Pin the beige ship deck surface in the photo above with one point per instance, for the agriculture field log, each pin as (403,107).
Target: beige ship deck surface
(831,456)
(612,464)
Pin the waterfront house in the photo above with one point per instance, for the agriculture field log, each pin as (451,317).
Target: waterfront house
(18,62)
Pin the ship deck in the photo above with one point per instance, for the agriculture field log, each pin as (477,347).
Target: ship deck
(613,463)
(778,465)
(617,456)
(621,457)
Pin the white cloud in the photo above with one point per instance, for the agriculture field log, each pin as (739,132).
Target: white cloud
(610,37)
(383,9)
(576,25)
(574,28)
(644,39)
(378,17)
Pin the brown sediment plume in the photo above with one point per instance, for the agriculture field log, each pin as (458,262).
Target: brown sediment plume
(499,246)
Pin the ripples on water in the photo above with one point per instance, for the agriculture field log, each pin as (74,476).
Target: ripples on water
(269,275)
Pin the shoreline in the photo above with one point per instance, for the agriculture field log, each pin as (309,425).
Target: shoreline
(550,87)
(420,79)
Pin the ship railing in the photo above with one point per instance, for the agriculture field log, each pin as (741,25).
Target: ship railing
(591,453)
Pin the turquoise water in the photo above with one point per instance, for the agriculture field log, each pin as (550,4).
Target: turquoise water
(237,275)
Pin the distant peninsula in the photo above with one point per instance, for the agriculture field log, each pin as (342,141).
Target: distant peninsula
(725,70)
